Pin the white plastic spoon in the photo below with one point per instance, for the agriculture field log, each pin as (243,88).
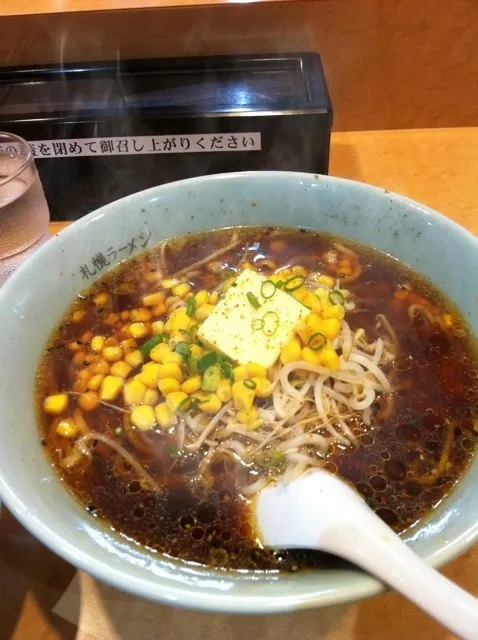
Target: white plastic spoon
(319,511)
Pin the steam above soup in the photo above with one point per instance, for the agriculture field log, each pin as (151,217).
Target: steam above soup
(187,379)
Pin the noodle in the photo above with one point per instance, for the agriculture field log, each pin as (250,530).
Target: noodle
(80,447)
(234,242)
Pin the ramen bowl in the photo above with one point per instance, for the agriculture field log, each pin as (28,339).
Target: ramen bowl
(37,296)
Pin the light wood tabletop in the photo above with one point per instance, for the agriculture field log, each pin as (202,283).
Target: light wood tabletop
(43,598)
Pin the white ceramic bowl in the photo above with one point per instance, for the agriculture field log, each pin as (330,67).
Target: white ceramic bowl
(38,294)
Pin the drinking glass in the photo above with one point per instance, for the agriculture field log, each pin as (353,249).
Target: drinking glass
(24,214)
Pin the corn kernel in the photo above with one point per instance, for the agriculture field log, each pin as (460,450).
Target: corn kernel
(141,315)
(213,297)
(159,352)
(309,355)
(150,374)
(134,391)
(290,352)
(111,319)
(178,320)
(344,268)
(191,384)
(164,416)
(173,358)
(323,298)
(254,370)
(128,345)
(79,357)
(330,328)
(334,311)
(79,386)
(124,315)
(196,351)
(91,357)
(202,297)
(326,281)
(157,327)
(111,387)
(89,401)
(168,385)
(277,246)
(78,315)
(97,344)
(314,324)
(171,370)
(169,283)
(75,346)
(112,354)
(242,396)
(152,274)
(134,358)
(263,387)
(95,381)
(101,299)
(67,428)
(200,395)
(240,373)
(120,369)
(211,405)
(249,418)
(447,320)
(329,359)
(204,311)
(55,404)
(224,391)
(159,310)
(111,342)
(173,400)
(153,299)
(138,330)
(151,397)
(85,374)
(143,417)
(100,367)
(181,289)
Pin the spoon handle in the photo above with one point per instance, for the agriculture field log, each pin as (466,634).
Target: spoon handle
(369,543)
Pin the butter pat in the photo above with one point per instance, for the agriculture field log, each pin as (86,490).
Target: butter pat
(229,328)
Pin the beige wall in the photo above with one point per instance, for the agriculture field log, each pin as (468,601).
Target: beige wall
(389,63)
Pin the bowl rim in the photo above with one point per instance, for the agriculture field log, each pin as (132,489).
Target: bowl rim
(186,595)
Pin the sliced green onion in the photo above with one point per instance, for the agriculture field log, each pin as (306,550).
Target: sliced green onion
(149,344)
(226,367)
(193,365)
(206,361)
(183,349)
(317,341)
(336,297)
(249,383)
(253,300)
(191,306)
(271,323)
(187,405)
(279,284)
(257,324)
(228,273)
(211,378)
(268,289)
(294,283)
(172,452)
(270,459)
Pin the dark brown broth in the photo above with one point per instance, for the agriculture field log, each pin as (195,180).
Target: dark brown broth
(436,387)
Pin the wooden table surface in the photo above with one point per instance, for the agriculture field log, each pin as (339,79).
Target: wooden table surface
(44,598)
